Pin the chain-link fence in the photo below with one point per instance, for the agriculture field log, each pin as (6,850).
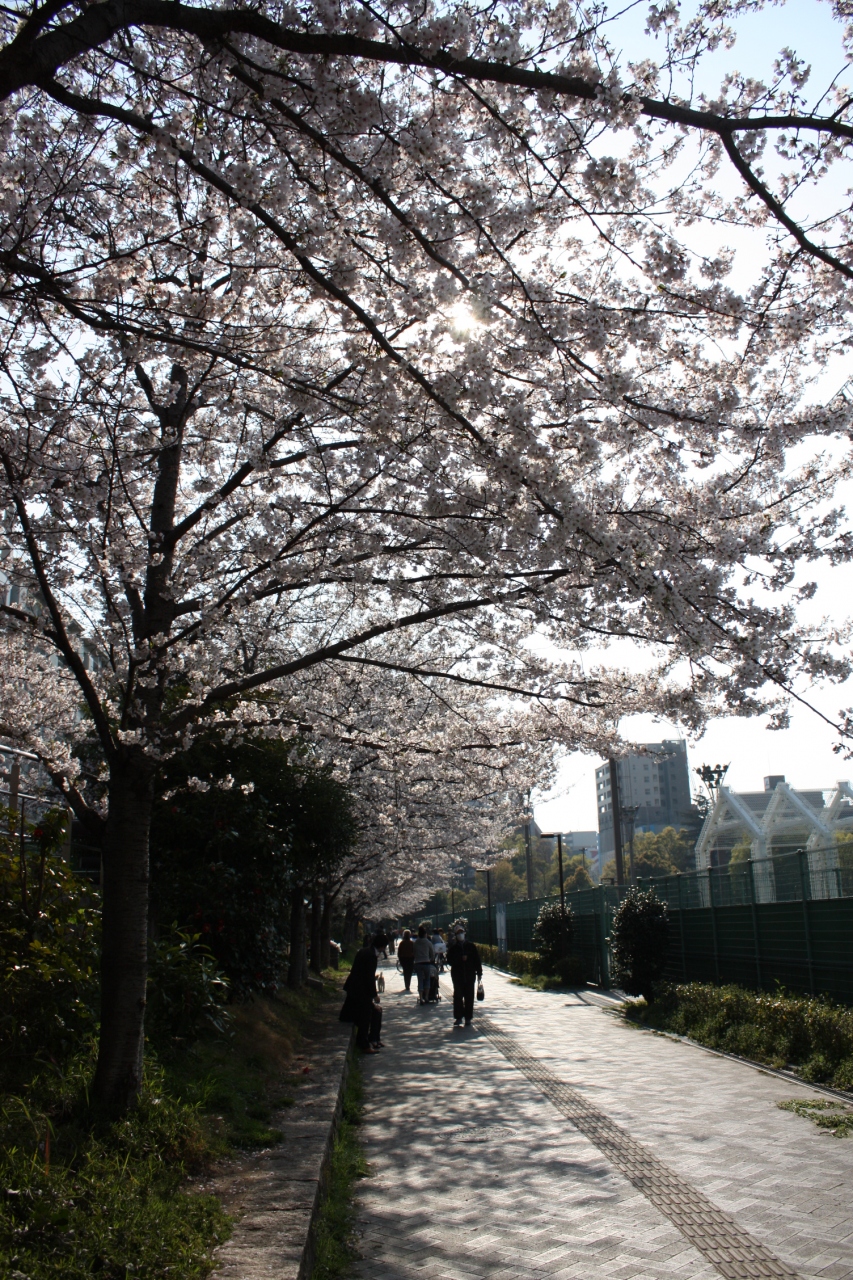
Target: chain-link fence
(783,920)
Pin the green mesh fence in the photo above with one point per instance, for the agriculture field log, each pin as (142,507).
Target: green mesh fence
(785,920)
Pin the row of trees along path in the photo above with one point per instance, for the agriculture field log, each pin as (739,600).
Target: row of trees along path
(348,347)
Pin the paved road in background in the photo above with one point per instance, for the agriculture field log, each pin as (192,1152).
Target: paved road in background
(553,1139)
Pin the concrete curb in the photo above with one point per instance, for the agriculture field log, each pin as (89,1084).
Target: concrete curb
(309,1252)
(275,1198)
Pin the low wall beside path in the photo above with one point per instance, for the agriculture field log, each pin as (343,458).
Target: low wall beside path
(275,1195)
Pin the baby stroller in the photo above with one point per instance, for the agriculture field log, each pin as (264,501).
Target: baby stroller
(434,994)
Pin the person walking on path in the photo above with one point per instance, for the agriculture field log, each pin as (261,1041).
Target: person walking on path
(424,960)
(361,1005)
(406,956)
(465,971)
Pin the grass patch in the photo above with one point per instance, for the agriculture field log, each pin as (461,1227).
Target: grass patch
(238,1083)
(803,1033)
(335,1240)
(82,1196)
(833,1117)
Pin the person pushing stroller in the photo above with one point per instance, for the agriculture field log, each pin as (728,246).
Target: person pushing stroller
(424,963)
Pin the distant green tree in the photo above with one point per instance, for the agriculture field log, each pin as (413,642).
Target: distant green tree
(678,846)
(507,886)
(579,878)
(660,853)
(741,853)
(651,856)
(571,864)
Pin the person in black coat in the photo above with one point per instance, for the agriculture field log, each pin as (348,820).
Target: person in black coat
(361,1005)
(465,970)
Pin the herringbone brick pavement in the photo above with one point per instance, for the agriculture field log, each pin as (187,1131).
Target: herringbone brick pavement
(567,1144)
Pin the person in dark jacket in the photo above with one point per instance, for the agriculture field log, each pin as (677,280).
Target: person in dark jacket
(465,971)
(406,956)
(361,1005)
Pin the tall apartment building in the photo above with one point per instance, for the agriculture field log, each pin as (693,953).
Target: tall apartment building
(656,779)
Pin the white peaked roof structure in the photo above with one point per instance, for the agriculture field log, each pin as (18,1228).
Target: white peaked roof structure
(775,820)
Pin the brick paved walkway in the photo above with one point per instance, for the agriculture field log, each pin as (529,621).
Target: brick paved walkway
(554,1140)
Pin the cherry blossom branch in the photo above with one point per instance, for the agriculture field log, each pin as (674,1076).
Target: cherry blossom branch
(455,678)
(777,209)
(60,637)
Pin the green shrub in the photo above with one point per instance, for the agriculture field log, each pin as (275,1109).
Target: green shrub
(570,971)
(638,939)
(49,949)
(552,935)
(567,972)
(522,962)
(781,1030)
(186,990)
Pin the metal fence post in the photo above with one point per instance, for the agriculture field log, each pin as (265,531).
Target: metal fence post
(713,924)
(681,929)
(756,937)
(601,929)
(801,855)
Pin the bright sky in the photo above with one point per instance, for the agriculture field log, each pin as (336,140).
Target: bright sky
(804,752)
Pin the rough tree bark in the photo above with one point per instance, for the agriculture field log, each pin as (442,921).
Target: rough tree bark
(326,931)
(350,926)
(297,940)
(124,953)
(316,933)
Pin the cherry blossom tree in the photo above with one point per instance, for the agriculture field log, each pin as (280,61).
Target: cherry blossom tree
(401,340)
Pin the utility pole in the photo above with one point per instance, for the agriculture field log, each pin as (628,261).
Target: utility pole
(527,847)
(617,822)
(489,902)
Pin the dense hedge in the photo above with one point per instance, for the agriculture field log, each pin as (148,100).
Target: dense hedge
(638,937)
(810,1034)
(570,970)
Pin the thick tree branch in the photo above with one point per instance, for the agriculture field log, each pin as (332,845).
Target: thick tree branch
(454,677)
(777,209)
(28,61)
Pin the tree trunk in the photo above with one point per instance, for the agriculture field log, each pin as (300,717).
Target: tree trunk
(326,931)
(316,933)
(297,940)
(350,926)
(124,950)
